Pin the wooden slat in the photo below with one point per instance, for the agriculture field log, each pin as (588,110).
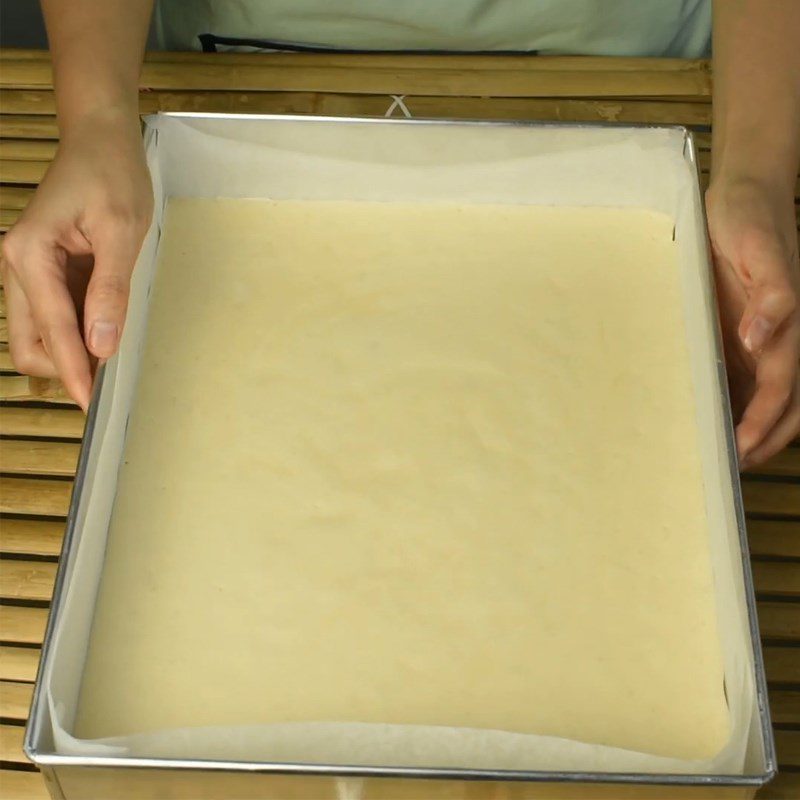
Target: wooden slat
(11,744)
(445,79)
(774,537)
(28,127)
(771,498)
(787,743)
(782,664)
(27,149)
(6,364)
(786,463)
(15,197)
(532,76)
(777,578)
(27,102)
(18,663)
(486,61)
(481,61)
(38,537)
(523,80)
(14,387)
(23,785)
(786,786)
(779,620)
(15,699)
(35,496)
(515,108)
(24,388)
(334,58)
(22,624)
(65,423)
(8,216)
(22,171)
(38,458)
(468,107)
(26,580)
(785,706)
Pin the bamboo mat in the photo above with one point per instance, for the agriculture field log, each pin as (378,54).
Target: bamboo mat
(41,430)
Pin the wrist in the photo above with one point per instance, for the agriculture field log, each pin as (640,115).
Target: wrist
(83,97)
(757,204)
(753,154)
(754,178)
(117,121)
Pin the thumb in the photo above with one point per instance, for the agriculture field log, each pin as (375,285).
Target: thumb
(772,300)
(107,293)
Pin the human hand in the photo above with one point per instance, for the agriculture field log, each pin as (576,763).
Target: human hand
(755,249)
(67,261)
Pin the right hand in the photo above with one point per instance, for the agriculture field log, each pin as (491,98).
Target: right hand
(68,260)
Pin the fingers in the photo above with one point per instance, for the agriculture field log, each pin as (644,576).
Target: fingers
(115,250)
(25,344)
(37,270)
(772,298)
(786,429)
(776,382)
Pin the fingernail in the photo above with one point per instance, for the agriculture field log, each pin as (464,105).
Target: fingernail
(103,339)
(757,334)
(744,444)
(744,449)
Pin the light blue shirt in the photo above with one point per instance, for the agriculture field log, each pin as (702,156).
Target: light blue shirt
(677,28)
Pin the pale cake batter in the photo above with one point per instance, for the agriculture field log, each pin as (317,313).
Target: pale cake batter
(430,465)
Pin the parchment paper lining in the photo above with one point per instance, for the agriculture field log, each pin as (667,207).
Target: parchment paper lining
(289,159)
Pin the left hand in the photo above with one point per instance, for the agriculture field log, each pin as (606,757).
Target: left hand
(755,249)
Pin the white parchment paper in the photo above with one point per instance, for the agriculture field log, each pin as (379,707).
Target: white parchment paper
(318,160)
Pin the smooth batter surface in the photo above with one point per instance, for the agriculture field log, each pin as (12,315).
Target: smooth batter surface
(412,464)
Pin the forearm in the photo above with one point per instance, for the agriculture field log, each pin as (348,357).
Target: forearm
(97,48)
(756,132)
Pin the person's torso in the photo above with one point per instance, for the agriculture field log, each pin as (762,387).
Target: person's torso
(679,28)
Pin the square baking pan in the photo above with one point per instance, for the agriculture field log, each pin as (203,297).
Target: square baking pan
(307,158)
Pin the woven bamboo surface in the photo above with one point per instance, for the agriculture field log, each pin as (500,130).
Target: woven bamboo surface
(41,430)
